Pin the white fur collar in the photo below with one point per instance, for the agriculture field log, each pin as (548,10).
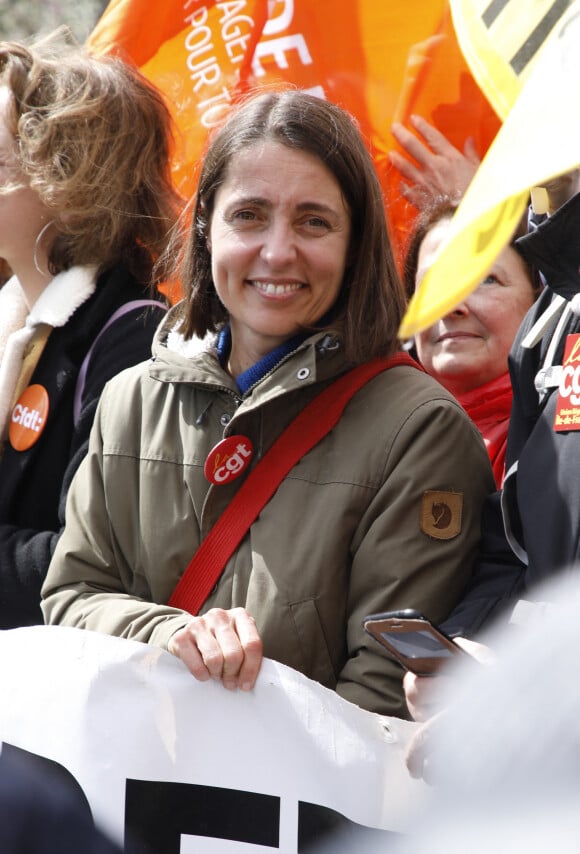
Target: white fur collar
(57,303)
(62,296)
(191,347)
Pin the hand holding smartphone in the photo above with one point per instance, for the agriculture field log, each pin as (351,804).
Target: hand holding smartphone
(410,638)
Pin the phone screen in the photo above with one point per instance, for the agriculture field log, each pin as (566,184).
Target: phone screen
(417,644)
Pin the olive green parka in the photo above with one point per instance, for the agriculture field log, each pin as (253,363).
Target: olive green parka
(384,513)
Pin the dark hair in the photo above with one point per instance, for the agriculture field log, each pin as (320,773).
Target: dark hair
(93,138)
(444,208)
(371,301)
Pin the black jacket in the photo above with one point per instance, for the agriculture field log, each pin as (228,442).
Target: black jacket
(542,498)
(43,810)
(34,483)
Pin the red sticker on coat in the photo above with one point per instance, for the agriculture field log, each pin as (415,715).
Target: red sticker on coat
(228,460)
(567,416)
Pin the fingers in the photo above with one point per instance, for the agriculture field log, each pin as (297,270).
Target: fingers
(411,144)
(416,194)
(406,168)
(422,694)
(436,168)
(184,645)
(477,650)
(470,151)
(415,690)
(417,751)
(432,145)
(252,646)
(419,757)
(417,188)
(426,173)
(434,139)
(223,645)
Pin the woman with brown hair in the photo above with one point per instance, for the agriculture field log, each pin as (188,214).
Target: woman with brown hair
(467,349)
(86,204)
(289,285)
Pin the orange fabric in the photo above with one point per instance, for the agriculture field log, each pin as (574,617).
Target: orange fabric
(136,28)
(437,85)
(354,52)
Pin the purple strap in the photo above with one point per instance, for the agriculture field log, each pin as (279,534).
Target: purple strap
(80,387)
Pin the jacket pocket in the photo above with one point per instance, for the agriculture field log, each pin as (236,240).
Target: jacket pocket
(312,645)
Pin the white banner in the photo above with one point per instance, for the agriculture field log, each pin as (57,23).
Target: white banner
(181,766)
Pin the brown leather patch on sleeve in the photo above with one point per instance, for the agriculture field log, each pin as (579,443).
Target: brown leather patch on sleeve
(441,513)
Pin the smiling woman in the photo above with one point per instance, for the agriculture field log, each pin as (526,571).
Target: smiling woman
(289,284)
(279,252)
(467,350)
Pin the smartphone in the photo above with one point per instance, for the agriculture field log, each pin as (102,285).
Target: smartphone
(412,640)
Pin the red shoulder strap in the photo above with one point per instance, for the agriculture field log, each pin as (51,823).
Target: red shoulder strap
(302,434)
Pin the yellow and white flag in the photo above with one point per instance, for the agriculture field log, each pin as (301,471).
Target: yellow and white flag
(525,54)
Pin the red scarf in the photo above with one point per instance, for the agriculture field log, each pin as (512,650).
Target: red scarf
(489,407)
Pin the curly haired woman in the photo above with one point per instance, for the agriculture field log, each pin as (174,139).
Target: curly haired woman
(86,204)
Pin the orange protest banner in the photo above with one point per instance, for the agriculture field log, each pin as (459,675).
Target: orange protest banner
(437,85)
(204,55)
(198,54)
(136,28)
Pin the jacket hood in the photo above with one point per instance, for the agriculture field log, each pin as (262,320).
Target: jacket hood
(554,248)
(196,361)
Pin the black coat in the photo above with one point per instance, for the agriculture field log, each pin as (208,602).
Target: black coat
(43,810)
(542,499)
(34,483)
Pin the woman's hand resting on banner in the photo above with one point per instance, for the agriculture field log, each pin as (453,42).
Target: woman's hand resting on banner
(436,167)
(222,645)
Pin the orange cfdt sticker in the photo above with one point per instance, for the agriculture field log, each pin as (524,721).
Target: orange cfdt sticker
(28,417)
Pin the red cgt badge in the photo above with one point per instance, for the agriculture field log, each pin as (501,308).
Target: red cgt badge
(567,416)
(228,459)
